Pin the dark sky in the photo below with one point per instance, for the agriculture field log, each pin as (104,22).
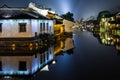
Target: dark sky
(80,8)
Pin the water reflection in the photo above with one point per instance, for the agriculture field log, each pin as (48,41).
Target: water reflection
(30,60)
(66,45)
(107,36)
(26,62)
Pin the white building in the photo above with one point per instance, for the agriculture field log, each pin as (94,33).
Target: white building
(23,23)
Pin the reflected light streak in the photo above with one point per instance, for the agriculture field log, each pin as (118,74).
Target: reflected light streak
(45,68)
(54,62)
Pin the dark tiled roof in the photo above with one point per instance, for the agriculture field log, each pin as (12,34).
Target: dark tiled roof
(59,21)
(5,6)
(19,13)
(108,15)
(114,22)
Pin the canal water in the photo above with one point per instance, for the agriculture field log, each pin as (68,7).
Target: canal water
(81,57)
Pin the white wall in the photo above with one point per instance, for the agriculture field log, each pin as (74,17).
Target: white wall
(68,25)
(10,28)
(36,26)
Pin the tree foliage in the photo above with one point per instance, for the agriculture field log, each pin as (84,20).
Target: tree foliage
(102,14)
(68,16)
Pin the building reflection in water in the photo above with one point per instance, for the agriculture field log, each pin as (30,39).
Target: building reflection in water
(29,60)
(25,61)
(107,35)
(63,46)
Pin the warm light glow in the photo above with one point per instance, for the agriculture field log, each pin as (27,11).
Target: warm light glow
(30,45)
(13,46)
(59,47)
(103,20)
(58,29)
(36,45)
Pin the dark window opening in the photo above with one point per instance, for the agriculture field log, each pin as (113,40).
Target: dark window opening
(22,66)
(47,27)
(44,57)
(0,27)
(41,59)
(0,66)
(47,55)
(40,27)
(22,27)
(43,26)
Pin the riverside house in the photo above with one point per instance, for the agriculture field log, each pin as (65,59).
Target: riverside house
(22,25)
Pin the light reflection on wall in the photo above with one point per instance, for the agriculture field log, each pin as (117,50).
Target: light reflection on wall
(10,64)
(58,47)
(35,62)
(10,28)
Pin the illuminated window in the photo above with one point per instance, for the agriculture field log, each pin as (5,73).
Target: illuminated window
(22,27)
(22,66)
(0,66)
(0,27)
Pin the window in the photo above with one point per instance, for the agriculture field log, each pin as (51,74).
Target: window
(22,27)
(0,27)
(44,57)
(43,26)
(41,59)
(47,27)
(47,55)
(50,28)
(0,66)
(22,66)
(50,50)
(40,27)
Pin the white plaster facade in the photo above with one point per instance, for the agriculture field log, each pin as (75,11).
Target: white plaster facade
(68,25)
(10,27)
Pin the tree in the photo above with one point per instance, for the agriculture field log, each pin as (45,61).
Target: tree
(68,16)
(91,18)
(102,14)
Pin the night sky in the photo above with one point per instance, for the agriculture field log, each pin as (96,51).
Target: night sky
(80,8)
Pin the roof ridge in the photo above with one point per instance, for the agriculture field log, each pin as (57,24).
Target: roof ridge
(5,6)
